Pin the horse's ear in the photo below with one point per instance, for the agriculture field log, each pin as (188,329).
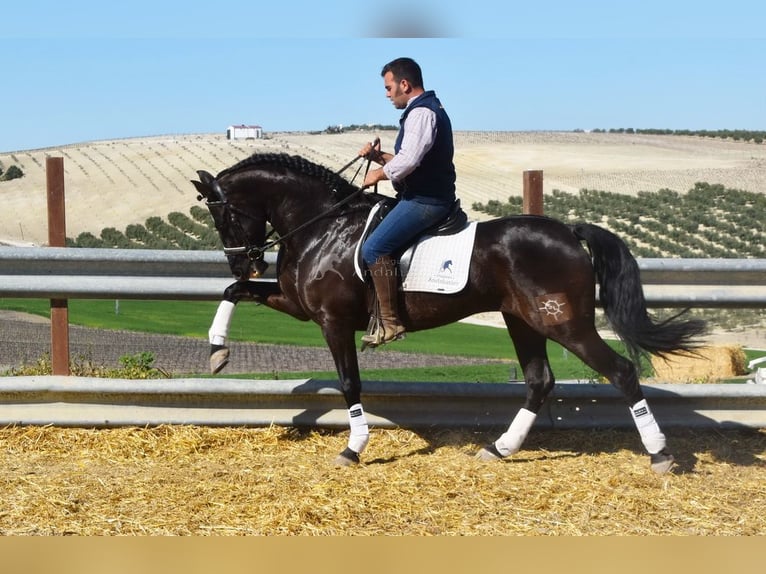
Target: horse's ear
(204,190)
(209,187)
(205,177)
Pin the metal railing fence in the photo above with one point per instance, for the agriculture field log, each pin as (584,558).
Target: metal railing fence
(66,273)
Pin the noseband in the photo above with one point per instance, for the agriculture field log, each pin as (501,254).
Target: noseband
(226,212)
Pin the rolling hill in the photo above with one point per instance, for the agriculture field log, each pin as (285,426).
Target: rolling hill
(118,182)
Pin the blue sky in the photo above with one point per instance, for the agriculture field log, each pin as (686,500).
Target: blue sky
(80,70)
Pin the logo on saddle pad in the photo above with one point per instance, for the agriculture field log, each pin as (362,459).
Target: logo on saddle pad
(435,263)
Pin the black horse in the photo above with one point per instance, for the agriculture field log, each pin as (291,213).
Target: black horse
(534,270)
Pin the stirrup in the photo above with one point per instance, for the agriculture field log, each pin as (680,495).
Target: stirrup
(375,335)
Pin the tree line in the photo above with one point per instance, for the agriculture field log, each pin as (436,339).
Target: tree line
(709,220)
(195,232)
(757,136)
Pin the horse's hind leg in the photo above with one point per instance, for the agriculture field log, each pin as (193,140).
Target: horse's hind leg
(623,375)
(533,358)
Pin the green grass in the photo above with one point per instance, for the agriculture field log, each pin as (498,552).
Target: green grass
(165,317)
(253,323)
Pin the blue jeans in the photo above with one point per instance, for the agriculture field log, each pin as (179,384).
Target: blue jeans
(401,226)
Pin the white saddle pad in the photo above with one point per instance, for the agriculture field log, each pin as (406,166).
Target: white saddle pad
(440,263)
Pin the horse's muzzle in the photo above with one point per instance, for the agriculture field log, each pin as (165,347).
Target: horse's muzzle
(240,268)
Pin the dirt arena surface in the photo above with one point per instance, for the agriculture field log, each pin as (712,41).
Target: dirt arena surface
(185,480)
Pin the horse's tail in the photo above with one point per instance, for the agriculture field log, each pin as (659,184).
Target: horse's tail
(623,299)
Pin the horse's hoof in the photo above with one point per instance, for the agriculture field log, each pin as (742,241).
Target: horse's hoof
(347,458)
(488,453)
(219,358)
(662,462)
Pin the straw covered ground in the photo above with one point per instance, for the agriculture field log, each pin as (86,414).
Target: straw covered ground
(187,480)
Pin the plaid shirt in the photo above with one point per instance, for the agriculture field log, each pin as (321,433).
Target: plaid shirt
(419,137)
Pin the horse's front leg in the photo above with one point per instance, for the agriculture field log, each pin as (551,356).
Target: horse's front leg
(341,342)
(266,293)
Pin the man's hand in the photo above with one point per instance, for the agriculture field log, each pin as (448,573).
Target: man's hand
(371,151)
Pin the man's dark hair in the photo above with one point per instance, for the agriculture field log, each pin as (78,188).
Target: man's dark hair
(405,69)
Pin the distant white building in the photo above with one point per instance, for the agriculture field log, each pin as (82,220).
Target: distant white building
(243,132)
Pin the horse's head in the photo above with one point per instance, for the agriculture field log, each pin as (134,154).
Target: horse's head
(290,192)
(242,232)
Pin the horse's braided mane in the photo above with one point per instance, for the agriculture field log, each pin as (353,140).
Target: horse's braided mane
(331,179)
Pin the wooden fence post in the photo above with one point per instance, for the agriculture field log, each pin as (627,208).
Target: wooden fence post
(533,192)
(54,171)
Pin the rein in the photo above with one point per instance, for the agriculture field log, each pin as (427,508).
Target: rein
(256,253)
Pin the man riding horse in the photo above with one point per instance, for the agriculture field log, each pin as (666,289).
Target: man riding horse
(534,270)
(423,175)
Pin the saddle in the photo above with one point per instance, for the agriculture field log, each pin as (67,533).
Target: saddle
(454,222)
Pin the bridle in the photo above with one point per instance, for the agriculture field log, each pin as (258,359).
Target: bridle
(223,211)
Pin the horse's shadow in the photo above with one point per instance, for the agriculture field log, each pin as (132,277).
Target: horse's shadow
(736,446)
(694,436)
(469,448)
(742,446)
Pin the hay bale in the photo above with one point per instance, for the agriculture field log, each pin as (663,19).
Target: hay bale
(709,364)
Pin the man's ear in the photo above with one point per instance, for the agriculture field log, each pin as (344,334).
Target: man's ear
(406,86)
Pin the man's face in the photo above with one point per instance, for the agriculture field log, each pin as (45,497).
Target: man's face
(398,91)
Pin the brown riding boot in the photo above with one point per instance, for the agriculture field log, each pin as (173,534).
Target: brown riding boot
(386,282)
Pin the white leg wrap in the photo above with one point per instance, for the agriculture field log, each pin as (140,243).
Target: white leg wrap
(360,432)
(510,441)
(219,330)
(651,435)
